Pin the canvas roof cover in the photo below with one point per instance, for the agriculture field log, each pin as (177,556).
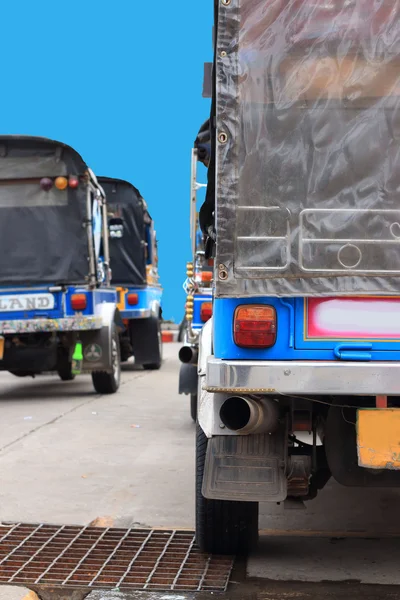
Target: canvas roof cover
(42,238)
(127,254)
(308,147)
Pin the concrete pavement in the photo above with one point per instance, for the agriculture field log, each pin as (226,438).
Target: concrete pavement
(68,455)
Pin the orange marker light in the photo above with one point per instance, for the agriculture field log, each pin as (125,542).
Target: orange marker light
(206,276)
(61,183)
(255,326)
(78,301)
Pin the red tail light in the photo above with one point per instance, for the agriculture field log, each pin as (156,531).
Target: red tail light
(255,326)
(78,301)
(132,299)
(206,311)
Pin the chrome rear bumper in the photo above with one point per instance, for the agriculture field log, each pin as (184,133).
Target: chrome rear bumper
(291,378)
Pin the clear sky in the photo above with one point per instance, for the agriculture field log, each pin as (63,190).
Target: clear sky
(121,82)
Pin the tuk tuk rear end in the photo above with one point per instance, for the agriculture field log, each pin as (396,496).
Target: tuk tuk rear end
(134,262)
(57,309)
(299,367)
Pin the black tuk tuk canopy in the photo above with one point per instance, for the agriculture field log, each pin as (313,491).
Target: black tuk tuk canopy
(127,253)
(42,233)
(307,104)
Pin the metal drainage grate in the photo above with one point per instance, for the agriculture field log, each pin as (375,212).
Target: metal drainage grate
(96,557)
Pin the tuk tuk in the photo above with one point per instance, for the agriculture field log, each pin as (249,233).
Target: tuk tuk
(299,366)
(58,311)
(134,261)
(198,308)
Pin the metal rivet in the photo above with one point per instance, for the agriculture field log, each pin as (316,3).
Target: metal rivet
(223,274)
(223,54)
(226,2)
(222,138)
(287,371)
(221,426)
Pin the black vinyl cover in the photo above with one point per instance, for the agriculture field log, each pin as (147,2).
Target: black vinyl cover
(127,254)
(42,237)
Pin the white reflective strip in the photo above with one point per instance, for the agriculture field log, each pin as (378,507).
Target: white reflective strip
(356,318)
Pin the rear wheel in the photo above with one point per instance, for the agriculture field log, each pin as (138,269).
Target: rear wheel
(64,366)
(193,406)
(154,341)
(108,383)
(222,527)
(65,373)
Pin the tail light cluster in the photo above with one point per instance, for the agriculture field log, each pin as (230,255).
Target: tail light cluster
(78,301)
(132,299)
(61,183)
(255,326)
(206,310)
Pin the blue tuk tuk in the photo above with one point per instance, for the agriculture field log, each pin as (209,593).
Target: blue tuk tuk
(134,262)
(299,367)
(198,288)
(58,311)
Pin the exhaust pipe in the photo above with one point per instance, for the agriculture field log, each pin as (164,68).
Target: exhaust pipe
(245,415)
(188,355)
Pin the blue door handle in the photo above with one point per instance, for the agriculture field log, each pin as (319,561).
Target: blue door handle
(357,352)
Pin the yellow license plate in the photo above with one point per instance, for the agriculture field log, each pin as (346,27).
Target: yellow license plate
(378,438)
(1,348)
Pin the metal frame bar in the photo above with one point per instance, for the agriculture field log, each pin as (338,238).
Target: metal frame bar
(89,229)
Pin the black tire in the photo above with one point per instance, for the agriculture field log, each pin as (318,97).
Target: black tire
(155,342)
(65,373)
(222,526)
(193,406)
(126,348)
(64,366)
(108,383)
(146,342)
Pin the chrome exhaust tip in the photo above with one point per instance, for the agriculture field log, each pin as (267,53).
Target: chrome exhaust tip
(246,415)
(188,355)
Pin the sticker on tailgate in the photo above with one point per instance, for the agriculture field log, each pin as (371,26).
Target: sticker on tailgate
(25,302)
(359,318)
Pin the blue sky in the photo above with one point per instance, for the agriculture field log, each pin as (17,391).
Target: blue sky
(121,82)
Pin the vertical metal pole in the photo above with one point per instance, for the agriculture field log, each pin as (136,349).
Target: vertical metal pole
(193,198)
(89,229)
(106,245)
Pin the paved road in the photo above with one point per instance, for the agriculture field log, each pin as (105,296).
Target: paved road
(68,455)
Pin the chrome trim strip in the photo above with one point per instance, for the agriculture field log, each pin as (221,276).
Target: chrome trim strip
(307,377)
(137,313)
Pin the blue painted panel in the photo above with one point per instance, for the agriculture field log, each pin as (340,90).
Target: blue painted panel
(197,323)
(62,300)
(56,313)
(146,297)
(287,320)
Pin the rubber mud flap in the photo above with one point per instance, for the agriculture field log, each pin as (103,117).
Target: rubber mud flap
(247,468)
(188,379)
